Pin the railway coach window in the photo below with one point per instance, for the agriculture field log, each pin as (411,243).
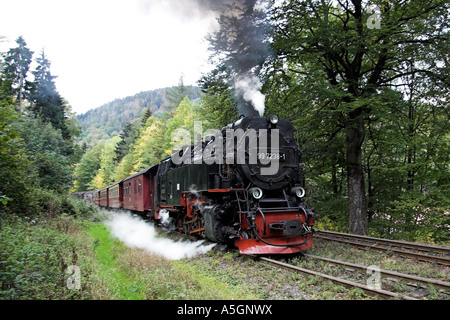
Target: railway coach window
(114,191)
(127,189)
(139,186)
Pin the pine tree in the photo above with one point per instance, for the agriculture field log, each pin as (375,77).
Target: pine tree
(17,65)
(146,114)
(128,136)
(175,95)
(46,102)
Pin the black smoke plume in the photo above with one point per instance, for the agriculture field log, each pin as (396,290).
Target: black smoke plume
(241,42)
(242,39)
(242,36)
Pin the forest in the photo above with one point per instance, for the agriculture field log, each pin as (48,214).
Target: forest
(368,92)
(107,121)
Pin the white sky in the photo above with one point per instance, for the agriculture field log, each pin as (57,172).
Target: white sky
(107,49)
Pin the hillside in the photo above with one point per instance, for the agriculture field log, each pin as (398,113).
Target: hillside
(107,120)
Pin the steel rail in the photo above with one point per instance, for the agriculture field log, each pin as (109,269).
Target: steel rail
(344,282)
(392,243)
(365,242)
(438,283)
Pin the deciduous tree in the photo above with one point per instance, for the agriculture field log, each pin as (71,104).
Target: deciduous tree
(345,62)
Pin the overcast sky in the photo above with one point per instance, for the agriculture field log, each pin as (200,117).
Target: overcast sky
(107,49)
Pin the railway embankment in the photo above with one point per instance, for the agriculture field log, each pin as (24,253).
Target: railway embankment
(62,256)
(74,256)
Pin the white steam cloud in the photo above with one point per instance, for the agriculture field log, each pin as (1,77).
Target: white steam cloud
(135,232)
(250,89)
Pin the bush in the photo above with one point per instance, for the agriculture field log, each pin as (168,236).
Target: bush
(35,254)
(417,216)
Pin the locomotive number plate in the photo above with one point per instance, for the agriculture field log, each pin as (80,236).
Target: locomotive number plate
(271,156)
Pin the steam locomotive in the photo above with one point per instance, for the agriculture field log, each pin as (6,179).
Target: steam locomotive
(240,186)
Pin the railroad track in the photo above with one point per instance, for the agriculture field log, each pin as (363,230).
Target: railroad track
(423,252)
(341,281)
(445,286)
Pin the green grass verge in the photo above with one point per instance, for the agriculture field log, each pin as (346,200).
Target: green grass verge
(37,253)
(132,273)
(123,285)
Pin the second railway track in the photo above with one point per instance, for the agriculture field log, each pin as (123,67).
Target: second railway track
(442,285)
(437,283)
(415,284)
(428,253)
(341,281)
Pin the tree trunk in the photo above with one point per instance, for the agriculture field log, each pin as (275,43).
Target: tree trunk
(355,176)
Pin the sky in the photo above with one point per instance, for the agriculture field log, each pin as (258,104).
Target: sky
(101,50)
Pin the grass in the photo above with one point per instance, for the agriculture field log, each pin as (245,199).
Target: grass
(219,287)
(123,285)
(133,273)
(35,255)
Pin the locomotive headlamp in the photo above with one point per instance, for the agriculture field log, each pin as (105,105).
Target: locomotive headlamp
(272,118)
(256,192)
(298,191)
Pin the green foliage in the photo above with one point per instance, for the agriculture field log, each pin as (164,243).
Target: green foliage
(48,153)
(128,136)
(37,151)
(217,108)
(105,174)
(125,167)
(14,164)
(183,118)
(369,103)
(87,168)
(147,114)
(36,250)
(175,95)
(149,148)
(420,216)
(35,255)
(17,65)
(45,101)
(107,121)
